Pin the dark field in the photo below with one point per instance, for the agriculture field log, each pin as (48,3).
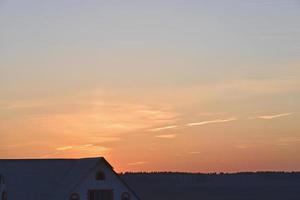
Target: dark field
(242,186)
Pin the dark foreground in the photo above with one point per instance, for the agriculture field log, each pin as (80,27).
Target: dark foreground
(241,186)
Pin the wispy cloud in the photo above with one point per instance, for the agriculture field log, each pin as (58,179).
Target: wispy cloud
(272,116)
(138,163)
(87,145)
(167,136)
(64,148)
(83,147)
(163,128)
(211,122)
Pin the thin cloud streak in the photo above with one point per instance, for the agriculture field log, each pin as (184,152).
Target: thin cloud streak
(273,116)
(167,136)
(82,147)
(138,163)
(211,122)
(64,148)
(163,128)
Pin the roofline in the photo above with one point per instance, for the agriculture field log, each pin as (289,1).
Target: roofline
(45,159)
(126,185)
(118,176)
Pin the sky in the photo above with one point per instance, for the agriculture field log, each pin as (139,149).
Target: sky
(196,86)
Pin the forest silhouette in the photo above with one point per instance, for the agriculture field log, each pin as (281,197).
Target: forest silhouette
(215,186)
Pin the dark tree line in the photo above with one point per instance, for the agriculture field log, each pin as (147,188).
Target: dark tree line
(215,186)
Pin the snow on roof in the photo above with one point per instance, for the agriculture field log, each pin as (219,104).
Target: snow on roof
(44,179)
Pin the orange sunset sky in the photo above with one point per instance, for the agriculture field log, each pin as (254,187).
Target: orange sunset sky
(197,86)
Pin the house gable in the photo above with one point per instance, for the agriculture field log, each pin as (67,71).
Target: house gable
(109,182)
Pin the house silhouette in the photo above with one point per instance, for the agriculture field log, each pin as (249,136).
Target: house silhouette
(63,179)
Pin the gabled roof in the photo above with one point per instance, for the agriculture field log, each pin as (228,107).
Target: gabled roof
(46,179)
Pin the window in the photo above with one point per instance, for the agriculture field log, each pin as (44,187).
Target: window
(100,176)
(100,195)
(4,196)
(74,196)
(125,196)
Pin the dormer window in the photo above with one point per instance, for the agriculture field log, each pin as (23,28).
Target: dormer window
(100,176)
(125,196)
(74,196)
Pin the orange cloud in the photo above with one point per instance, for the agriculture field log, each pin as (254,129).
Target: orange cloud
(211,122)
(273,116)
(163,128)
(64,148)
(167,136)
(138,163)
